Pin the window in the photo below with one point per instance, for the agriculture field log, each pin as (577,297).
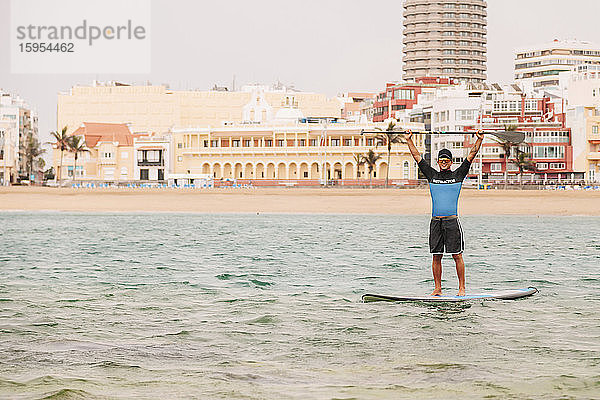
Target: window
(551,137)
(312,142)
(268,142)
(302,142)
(247,143)
(179,158)
(335,142)
(370,142)
(595,129)
(495,167)
(206,143)
(548,152)
(404,94)
(347,142)
(541,165)
(235,143)
(406,170)
(280,143)
(144,174)
(555,165)
(464,115)
(511,166)
(214,143)
(109,173)
(180,145)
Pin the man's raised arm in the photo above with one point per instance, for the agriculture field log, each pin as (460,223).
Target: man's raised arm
(475,147)
(411,146)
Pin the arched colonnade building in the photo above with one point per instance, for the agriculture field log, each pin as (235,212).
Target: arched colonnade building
(300,151)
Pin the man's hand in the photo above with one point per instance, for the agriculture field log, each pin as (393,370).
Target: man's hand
(476,146)
(411,146)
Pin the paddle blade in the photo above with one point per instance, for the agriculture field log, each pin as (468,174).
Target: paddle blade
(510,136)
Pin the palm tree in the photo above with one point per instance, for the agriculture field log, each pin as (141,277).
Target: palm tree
(77,145)
(524,163)
(62,142)
(387,138)
(359,160)
(507,147)
(31,149)
(371,159)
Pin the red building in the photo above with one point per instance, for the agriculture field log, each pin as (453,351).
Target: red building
(547,141)
(404,95)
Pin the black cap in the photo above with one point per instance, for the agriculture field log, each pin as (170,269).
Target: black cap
(445,153)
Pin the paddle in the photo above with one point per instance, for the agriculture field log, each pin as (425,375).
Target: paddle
(508,136)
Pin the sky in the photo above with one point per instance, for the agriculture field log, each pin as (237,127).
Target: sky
(327,46)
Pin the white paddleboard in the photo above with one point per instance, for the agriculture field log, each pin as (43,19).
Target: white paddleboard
(502,295)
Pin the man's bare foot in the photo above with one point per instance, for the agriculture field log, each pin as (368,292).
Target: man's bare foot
(437,292)
(461,291)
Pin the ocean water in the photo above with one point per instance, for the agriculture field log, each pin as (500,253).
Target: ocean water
(268,307)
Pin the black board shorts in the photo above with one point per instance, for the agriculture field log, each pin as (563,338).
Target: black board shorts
(445,236)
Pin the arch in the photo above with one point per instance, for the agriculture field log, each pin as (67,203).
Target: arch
(383,167)
(303,171)
(227,172)
(293,171)
(217,171)
(237,171)
(349,171)
(248,171)
(406,170)
(281,169)
(360,173)
(206,168)
(337,170)
(314,171)
(260,171)
(270,171)
(328,175)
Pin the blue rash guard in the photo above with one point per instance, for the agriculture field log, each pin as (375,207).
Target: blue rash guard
(444,187)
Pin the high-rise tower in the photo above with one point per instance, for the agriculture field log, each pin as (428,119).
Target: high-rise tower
(445,38)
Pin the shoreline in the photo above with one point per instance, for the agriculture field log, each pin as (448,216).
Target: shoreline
(296,201)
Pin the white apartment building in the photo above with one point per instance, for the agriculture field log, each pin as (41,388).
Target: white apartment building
(583,117)
(452,111)
(8,151)
(540,66)
(18,121)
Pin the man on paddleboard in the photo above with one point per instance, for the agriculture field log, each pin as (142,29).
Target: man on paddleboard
(445,232)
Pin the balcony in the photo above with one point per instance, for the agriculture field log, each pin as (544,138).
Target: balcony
(594,155)
(107,161)
(594,138)
(312,150)
(146,163)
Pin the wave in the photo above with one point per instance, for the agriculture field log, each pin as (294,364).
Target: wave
(68,394)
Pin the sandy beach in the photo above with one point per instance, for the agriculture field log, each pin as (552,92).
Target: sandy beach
(295,200)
